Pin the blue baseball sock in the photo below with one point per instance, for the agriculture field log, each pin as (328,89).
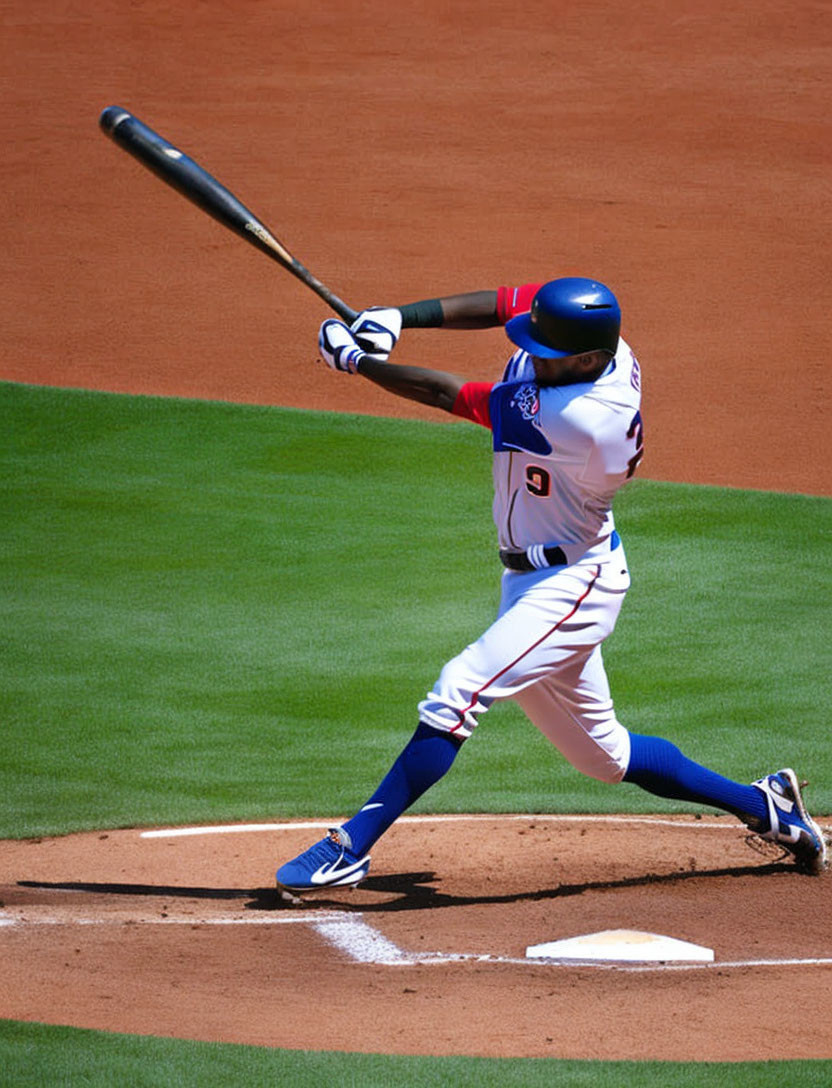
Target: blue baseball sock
(426,757)
(659,767)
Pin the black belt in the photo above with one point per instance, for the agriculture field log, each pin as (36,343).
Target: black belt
(555,557)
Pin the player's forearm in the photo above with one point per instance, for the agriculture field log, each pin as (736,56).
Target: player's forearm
(474,310)
(432,387)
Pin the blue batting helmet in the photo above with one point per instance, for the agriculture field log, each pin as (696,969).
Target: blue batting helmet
(568,316)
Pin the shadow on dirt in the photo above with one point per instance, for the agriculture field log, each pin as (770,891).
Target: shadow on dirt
(413,891)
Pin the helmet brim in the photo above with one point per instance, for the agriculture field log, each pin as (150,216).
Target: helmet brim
(520,330)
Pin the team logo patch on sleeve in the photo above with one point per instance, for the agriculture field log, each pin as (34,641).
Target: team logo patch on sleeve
(515,418)
(527,399)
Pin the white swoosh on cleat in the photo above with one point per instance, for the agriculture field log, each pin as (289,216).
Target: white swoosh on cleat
(320,876)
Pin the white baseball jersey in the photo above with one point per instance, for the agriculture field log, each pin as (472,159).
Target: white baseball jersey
(560,452)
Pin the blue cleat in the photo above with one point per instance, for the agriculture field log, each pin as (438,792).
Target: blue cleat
(329,863)
(790,825)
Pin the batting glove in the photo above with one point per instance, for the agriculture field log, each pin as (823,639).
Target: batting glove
(338,348)
(377,331)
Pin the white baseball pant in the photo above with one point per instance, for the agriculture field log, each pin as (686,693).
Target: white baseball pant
(544,651)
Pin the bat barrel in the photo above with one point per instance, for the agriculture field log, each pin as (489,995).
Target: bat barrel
(179,171)
(197,185)
(111,117)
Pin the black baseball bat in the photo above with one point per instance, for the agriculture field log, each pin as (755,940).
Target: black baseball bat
(189,178)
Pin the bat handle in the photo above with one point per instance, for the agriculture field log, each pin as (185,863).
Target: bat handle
(345,312)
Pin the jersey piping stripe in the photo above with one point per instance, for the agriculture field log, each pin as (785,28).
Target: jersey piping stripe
(510,513)
(528,650)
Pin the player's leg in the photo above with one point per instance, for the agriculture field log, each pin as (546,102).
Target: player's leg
(514,651)
(425,759)
(546,620)
(772,806)
(573,708)
(519,646)
(342,857)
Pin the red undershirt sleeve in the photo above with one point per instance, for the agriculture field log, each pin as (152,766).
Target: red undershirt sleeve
(515,300)
(472,403)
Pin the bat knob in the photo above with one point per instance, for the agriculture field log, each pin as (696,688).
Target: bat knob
(111,118)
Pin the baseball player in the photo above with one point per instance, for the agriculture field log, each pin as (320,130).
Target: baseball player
(567,433)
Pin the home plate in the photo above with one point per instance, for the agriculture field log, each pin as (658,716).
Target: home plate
(621,945)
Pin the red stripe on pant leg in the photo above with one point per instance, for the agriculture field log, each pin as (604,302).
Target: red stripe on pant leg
(533,646)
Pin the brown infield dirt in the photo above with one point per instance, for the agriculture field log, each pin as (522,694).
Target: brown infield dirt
(186,936)
(679,152)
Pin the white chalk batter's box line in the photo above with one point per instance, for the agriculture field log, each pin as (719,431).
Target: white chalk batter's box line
(360,942)
(561,818)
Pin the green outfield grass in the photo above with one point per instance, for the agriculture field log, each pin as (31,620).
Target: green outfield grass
(33,1055)
(218,612)
(215,612)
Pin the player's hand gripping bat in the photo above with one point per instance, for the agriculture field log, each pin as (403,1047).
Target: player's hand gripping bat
(188,177)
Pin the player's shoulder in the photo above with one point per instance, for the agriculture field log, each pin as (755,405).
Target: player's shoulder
(514,409)
(621,383)
(519,368)
(589,410)
(629,368)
